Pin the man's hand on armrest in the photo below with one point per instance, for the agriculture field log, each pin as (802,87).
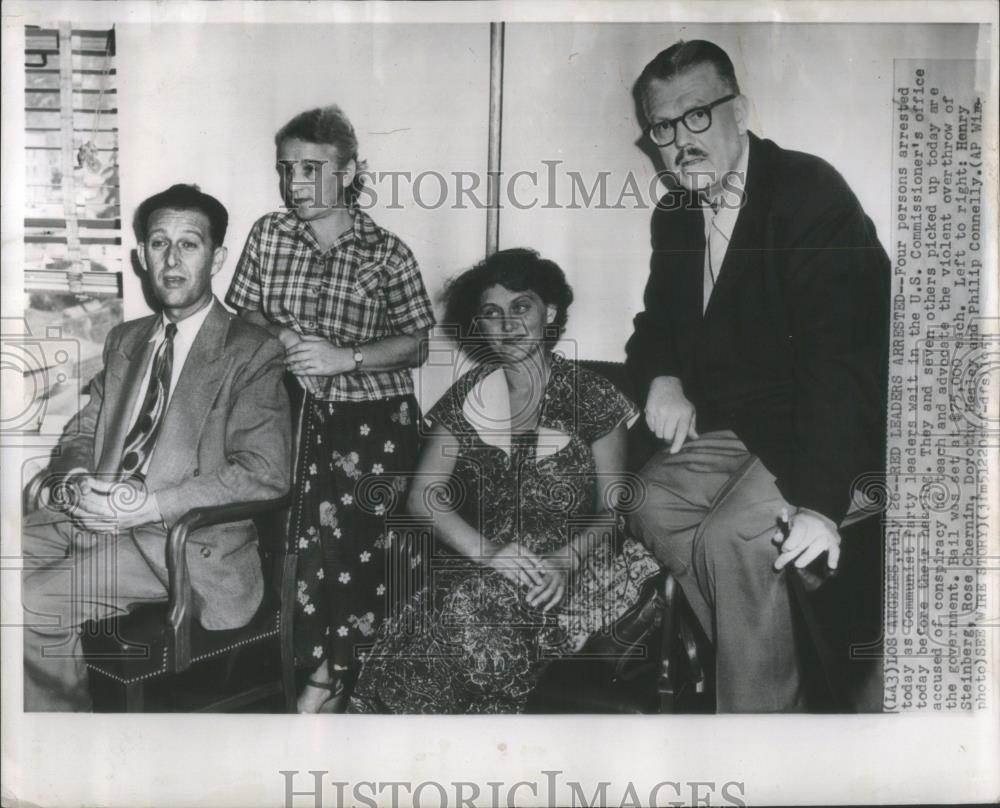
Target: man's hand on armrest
(671,417)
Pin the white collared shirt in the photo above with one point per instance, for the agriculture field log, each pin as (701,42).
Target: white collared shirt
(187,330)
(719,226)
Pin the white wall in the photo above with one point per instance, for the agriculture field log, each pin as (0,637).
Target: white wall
(823,89)
(202,103)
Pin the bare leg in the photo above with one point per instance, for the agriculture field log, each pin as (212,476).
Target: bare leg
(323,693)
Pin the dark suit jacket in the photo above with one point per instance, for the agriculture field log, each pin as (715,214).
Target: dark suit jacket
(791,352)
(226,437)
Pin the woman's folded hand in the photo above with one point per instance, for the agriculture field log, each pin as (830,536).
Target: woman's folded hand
(556,576)
(519,564)
(546,577)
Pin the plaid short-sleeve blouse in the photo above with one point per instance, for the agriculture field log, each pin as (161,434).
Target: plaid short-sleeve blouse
(364,288)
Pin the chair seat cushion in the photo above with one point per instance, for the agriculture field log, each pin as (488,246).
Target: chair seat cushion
(134,647)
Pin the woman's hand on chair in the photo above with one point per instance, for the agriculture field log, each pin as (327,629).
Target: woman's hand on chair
(289,338)
(315,356)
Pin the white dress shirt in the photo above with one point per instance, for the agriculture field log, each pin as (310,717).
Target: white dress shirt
(187,330)
(720,221)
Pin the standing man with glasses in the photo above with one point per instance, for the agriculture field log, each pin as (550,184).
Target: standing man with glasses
(763,350)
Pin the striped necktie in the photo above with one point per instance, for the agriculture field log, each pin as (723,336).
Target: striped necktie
(141,438)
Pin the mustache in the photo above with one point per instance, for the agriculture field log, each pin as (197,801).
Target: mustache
(688,153)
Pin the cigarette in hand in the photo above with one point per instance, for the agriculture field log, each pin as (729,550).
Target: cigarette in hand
(784,527)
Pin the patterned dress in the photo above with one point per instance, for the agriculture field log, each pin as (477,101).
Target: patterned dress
(468,642)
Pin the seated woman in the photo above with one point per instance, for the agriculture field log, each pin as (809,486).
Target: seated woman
(519,474)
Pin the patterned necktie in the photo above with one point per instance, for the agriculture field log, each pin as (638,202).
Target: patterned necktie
(142,437)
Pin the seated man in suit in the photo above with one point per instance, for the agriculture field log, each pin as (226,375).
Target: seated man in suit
(188,411)
(763,350)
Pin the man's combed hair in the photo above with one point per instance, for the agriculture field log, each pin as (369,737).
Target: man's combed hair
(183,197)
(518,270)
(328,126)
(683,56)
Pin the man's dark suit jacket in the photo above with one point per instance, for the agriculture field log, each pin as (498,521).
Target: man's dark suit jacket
(791,351)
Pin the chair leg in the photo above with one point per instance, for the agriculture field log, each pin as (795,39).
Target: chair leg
(667,684)
(135,697)
(285,633)
(682,672)
(288,677)
(695,671)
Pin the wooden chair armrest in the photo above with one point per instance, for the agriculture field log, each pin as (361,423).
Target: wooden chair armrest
(179,614)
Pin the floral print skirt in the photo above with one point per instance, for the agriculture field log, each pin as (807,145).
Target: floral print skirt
(469,642)
(354,462)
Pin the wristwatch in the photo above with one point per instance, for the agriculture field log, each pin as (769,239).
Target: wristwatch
(359,357)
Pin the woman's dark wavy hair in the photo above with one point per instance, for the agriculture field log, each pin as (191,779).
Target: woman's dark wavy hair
(518,270)
(328,126)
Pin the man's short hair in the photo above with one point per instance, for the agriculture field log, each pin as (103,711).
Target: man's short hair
(183,197)
(683,56)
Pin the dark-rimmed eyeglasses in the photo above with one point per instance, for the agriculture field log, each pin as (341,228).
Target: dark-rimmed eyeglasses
(695,120)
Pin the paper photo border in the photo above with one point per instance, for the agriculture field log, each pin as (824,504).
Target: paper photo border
(236,760)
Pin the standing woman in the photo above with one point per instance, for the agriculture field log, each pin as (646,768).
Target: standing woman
(346,299)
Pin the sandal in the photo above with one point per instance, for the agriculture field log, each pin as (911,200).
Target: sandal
(333,702)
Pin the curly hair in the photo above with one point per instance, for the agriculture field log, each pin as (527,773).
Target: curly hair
(329,126)
(519,270)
